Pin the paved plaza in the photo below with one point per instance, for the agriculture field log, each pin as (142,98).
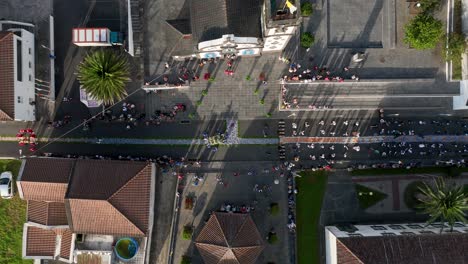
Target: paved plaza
(210,194)
(346,29)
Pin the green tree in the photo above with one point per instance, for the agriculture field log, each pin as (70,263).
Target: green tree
(307,39)
(103,75)
(443,203)
(455,48)
(429,5)
(306,9)
(423,32)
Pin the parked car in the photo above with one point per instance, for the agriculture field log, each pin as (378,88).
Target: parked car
(6,185)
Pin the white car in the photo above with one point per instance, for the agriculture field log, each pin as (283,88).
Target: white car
(6,185)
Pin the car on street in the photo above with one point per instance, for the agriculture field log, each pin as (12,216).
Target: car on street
(6,185)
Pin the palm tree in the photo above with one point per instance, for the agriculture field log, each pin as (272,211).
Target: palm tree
(103,75)
(443,203)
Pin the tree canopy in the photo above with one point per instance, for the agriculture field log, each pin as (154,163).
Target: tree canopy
(423,32)
(444,203)
(103,74)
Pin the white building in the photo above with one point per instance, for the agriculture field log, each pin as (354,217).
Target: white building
(396,243)
(17,75)
(234,27)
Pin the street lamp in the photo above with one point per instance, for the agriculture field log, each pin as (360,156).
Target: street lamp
(51,52)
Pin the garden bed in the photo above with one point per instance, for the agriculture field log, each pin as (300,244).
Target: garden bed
(368,197)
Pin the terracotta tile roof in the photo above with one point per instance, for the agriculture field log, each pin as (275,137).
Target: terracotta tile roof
(42,191)
(99,190)
(99,217)
(65,244)
(417,249)
(50,170)
(137,189)
(229,238)
(344,255)
(47,213)
(100,179)
(7,75)
(40,242)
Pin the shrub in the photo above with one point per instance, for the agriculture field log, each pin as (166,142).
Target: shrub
(429,5)
(186,260)
(262,101)
(204,92)
(272,238)
(307,39)
(306,9)
(268,115)
(189,203)
(199,102)
(423,32)
(187,233)
(274,209)
(455,48)
(248,78)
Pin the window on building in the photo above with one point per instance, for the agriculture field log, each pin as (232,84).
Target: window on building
(378,228)
(415,226)
(20,99)
(30,78)
(29,50)
(30,65)
(407,233)
(388,234)
(19,60)
(396,227)
(426,232)
(355,235)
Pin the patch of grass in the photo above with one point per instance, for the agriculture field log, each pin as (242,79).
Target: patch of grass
(457,29)
(457,69)
(187,232)
(307,39)
(306,9)
(409,196)
(274,209)
(186,260)
(311,188)
(12,218)
(272,238)
(368,197)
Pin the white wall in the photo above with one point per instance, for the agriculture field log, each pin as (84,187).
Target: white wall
(330,245)
(24,111)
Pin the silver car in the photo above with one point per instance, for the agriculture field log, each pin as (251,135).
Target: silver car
(6,185)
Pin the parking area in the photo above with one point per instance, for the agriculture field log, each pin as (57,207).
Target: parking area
(232,185)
